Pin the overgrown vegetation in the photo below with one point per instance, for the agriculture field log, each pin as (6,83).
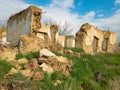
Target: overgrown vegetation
(18,76)
(74,49)
(89,72)
(95,72)
(5,66)
(28,56)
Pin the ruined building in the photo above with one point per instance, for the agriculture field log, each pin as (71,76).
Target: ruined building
(93,40)
(40,36)
(24,22)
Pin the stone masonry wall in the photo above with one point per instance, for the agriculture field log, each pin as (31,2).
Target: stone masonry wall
(70,41)
(24,22)
(93,40)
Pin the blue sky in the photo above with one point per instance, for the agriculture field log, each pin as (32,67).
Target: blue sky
(104,14)
(105,7)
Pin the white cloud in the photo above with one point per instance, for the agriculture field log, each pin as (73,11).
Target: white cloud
(9,7)
(59,11)
(62,3)
(117,1)
(100,15)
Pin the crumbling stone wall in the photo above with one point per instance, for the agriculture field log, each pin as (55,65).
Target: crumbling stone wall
(24,22)
(44,33)
(3,34)
(109,40)
(93,40)
(61,40)
(54,33)
(0,38)
(70,41)
(31,44)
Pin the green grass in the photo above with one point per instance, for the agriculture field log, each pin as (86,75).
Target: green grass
(5,66)
(85,68)
(18,76)
(89,72)
(19,56)
(74,49)
(28,56)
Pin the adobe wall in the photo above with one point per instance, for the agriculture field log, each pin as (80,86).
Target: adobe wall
(93,40)
(0,38)
(61,40)
(70,41)
(54,33)
(24,22)
(44,33)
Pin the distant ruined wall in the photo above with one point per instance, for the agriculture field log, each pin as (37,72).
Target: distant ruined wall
(24,22)
(0,38)
(111,40)
(61,40)
(54,33)
(3,34)
(70,41)
(93,40)
(44,33)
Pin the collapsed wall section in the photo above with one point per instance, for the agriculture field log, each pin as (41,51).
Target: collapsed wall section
(93,40)
(54,33)
(24,22)
(70,41)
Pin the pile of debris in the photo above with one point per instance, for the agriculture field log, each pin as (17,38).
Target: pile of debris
(8,53)
(50,61)
(70,52)
(46,60)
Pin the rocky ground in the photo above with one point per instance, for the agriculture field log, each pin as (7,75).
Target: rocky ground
(33,69)
(71,69)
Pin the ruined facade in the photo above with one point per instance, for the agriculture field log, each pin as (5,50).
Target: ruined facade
(44,33)
(61,40)
(54,33)
(24,22)
(93,40)
(27,22)
(70,41)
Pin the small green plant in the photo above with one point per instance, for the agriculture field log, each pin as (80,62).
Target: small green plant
(28,56)
(5,66)
(31,55)
(18,76)
(19,56)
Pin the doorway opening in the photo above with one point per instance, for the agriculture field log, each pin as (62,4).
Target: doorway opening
(105,44)
(95,44)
